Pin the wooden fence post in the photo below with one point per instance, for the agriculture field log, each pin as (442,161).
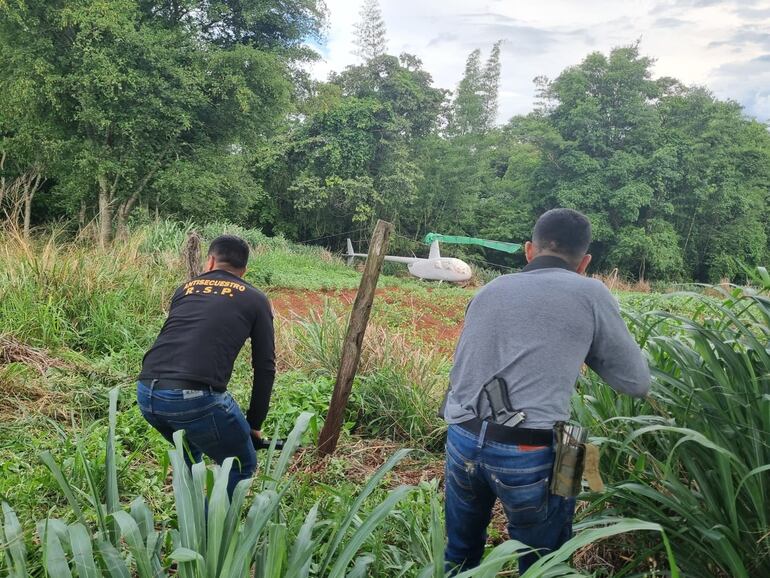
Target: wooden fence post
(351,348)
(191,255)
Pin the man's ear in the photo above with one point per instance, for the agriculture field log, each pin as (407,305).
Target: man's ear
(584,262)
(529,251)
(211,263)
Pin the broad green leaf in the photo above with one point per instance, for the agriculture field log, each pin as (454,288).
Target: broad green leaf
(129,531)
(219,504)
(113,563)
(12,541)
(361,567)
(291,445)
(54,558)
(82,552)
(187,521)
(185,555)
(302,551)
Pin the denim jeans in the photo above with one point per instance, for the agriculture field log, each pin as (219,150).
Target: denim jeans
(213,423)
(478,472)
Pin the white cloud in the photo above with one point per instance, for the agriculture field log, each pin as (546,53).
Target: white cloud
(705,42)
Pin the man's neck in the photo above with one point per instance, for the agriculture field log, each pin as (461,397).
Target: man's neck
(548,261)
(219,268)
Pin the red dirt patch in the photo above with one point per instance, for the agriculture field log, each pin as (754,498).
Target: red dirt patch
(423,320)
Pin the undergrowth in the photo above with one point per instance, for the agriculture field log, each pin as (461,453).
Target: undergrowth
(75,322)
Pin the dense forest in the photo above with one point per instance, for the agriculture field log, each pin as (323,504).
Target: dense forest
(113,112)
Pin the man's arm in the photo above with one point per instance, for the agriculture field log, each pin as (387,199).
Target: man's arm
(263,362)
(614,353)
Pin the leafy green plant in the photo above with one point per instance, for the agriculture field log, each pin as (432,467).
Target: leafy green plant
(220,537)
(211,537)
(391,406)
(696,457)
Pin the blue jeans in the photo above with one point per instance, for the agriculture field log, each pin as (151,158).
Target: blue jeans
(213,423)
(478,472)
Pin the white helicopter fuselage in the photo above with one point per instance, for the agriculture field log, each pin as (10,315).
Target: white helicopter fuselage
(441,269)
(434,268)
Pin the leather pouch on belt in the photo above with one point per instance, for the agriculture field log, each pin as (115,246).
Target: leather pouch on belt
(567,470)
(572,464)
(591,472)
(574,460)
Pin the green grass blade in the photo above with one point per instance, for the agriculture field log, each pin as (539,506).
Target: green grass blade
(497,558)
(437,534)
(262,509)
(585,538)
(302,551)
(66,489)
(95,494)
(365,530)
(111,472)
(352,512)
(292,443)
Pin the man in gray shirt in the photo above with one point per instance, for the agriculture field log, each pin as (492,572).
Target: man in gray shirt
(533,330)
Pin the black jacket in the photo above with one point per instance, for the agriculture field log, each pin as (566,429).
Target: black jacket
(209,320)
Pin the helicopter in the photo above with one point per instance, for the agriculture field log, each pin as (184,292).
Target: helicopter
(435,267)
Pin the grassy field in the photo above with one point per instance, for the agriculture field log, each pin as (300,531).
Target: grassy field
(692,461)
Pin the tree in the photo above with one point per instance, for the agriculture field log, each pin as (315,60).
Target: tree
(468,111)
(352,157)
(715,170)
(134,87)
(370,33)
(490,84)
(474,109)
(598,133)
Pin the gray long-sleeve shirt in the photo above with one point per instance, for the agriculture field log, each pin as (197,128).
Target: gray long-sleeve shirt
(535,329)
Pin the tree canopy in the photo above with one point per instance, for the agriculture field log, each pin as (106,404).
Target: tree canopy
(114,111)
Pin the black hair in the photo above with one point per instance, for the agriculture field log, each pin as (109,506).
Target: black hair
(563,231)
(230,250)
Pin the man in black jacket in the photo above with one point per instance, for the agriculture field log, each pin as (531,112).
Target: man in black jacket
(183,382)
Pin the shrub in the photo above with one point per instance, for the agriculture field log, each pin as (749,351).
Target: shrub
(696,457)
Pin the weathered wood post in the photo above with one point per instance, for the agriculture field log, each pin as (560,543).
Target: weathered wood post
(191,255)
(351,348)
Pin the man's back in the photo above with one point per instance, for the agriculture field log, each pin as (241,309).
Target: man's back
(535,329)
(209,320)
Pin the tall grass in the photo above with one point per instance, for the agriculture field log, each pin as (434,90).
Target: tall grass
(215,536)
(692,458)
(695,457)
(67,295)
(400,384)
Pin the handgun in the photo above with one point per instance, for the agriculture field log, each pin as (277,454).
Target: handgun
(264,443)
(495,394)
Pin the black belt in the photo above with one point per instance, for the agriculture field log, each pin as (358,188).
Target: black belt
(180,384)
(509,435)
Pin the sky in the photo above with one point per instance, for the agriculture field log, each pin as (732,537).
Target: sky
(723,45)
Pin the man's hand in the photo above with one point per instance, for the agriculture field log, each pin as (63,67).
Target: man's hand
(256,434)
